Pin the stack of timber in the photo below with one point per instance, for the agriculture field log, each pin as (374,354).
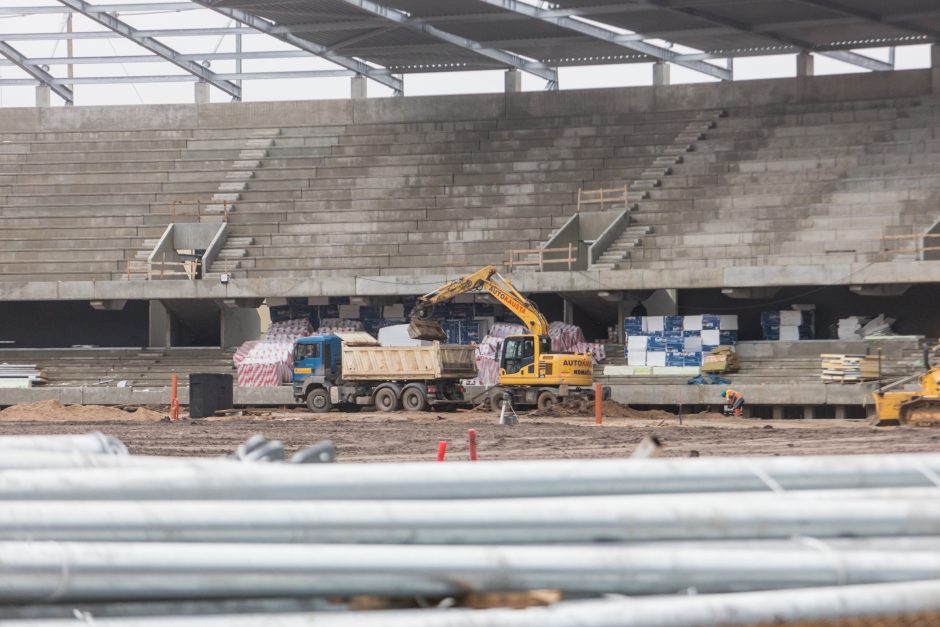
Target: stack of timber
(21,375)
(848,368)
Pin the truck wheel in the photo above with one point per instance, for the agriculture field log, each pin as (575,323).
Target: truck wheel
(318,400)
(386,400)
(546,400)
(496,399)
(414,399)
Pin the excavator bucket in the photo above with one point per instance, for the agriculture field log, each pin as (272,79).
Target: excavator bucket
(426,329)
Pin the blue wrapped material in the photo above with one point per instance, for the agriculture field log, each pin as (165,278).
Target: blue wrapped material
(707,348)
(675,343)
(728,338)
(469,332)
(711,322)
(675,359)
(770,318)
(672,325)
(656,343)
(633,325)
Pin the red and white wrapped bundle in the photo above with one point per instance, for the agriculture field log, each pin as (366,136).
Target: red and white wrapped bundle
(269,362)
(505,329)
(598,353)
(565,337)
(339,325)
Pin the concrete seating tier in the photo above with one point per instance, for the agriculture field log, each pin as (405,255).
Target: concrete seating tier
(107,366)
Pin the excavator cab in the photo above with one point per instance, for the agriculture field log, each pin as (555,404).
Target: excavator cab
(521,353)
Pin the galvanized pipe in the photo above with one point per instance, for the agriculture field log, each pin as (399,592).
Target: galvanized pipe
(507,521)
(188,480)
(50,571)
(743,608)
(39,460)
(94,442)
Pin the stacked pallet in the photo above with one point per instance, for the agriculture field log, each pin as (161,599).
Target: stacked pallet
(848,368)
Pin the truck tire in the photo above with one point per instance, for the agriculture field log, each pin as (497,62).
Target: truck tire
(496,399)
(318,401)
(414,399)
(387,400)
(546,400)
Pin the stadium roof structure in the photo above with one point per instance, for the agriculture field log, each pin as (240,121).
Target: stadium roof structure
(385,39)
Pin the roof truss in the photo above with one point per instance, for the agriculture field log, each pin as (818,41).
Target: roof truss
(37,72)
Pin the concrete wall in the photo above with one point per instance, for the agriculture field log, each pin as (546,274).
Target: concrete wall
(240,325)
(471,107)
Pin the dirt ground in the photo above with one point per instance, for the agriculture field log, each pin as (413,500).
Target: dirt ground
(405,436)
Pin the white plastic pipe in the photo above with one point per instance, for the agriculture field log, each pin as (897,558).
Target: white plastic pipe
(49,571)
(509,521)
(746,608)
(189,480)
(94,443)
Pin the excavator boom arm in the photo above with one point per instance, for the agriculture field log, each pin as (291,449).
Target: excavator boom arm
(504,292)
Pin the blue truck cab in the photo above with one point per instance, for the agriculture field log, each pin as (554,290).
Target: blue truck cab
(317,360)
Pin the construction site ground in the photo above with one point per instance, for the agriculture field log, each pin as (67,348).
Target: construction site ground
(414,436)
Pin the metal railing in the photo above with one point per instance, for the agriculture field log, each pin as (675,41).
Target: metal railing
(163,269)
(919,244)
(177,211)
(536,257)
(611,196)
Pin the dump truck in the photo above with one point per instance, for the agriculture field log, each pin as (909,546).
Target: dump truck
(352,370)
(529,372)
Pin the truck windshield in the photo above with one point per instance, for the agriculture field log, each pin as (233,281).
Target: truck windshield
(306,351)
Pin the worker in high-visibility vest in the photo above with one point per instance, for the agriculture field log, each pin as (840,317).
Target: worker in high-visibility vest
(734,399)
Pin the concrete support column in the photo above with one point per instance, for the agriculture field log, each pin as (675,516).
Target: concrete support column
(159,325)
(568,314)
(777,412)
(841,412)
(513,81)
(660,73)
(809,412)
(805,64)
(239,325)
(43,96)
(358,87)
(935,65)
(202,92)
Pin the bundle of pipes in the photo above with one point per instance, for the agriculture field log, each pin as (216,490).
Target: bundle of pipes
(182,540)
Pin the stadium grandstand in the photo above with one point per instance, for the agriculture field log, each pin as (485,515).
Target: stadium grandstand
(270,161)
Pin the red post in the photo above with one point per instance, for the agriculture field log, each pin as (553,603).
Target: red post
(174,400)
(472,435)
(598,404)
(441,450)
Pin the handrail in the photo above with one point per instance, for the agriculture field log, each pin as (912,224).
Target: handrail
(610,195)
(162,269)
(918,244)
(199,215)
(541,261)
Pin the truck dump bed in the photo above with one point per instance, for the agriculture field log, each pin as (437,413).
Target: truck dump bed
(408,363)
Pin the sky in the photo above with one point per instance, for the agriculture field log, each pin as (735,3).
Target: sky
(638,74)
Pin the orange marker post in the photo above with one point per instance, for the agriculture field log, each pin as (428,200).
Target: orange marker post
(174,399)
(598,404)
(472,436)
(441,450)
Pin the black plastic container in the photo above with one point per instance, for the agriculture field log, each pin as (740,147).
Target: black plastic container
(209,392)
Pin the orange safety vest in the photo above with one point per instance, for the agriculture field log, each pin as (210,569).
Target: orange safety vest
(731,396)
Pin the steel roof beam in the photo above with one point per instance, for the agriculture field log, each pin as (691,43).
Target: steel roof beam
(104,8)
(126,30)
(152,58)
(177,78)
(503,57)
(266,27)
(41,75)
(609,36)
(871,17)
(845,56)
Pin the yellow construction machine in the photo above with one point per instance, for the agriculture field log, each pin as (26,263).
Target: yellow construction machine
(528,370)
(919,407)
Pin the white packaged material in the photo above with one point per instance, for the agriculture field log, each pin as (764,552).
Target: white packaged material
(318,300)
(636,358)
(654,324)
(693,344)
(791,319)
(656,359)
(789,333)
(711,337)
(637,343)
(728,322)
(692,323)
(397,335)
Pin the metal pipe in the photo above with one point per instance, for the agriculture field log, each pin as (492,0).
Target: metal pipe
(51,571)
(49,459)
(743,608)
(94,442)
(461,480)
(508,521)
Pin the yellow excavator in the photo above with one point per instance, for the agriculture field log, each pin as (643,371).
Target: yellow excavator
(528,370)
(919,407)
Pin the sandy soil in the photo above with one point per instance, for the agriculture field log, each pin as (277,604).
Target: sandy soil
(405,436)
